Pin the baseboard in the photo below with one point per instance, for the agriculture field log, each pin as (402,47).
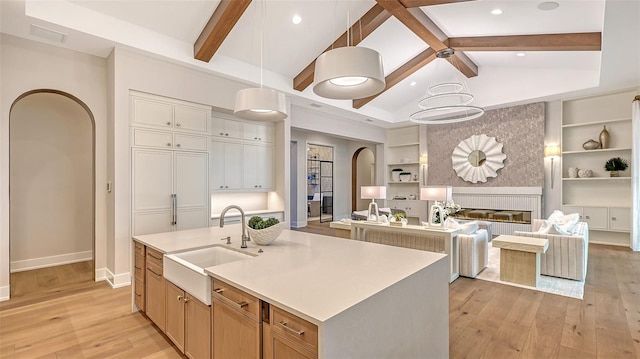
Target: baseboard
(117,280)
(43,262)
(101,274)
(5,293)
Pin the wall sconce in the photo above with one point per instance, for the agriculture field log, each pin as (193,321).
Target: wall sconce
(424,161)
(552,151)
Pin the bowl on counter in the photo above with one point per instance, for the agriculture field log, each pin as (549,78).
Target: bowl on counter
(266,236)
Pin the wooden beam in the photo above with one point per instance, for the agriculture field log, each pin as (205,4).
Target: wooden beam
(418,3)
(362,28)
(218,28)
(587,41)
(400,74)
(421,25)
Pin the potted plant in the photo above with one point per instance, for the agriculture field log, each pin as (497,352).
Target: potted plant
(395,174)
(398,220)
(264,232)
(405,176)
(614,165)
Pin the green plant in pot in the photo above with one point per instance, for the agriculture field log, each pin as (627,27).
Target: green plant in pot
(264,232)
(614,165)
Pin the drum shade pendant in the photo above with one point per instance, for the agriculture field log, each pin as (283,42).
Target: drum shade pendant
(348,73)
(260,104)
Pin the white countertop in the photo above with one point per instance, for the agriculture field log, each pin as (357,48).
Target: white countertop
(313,276)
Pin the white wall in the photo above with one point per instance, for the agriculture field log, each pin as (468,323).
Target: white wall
(27,66)
(51,182)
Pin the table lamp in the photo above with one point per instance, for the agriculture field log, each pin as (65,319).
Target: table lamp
(438,194)
(373,193)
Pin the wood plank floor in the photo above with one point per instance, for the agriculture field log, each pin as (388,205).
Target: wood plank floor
(486,320)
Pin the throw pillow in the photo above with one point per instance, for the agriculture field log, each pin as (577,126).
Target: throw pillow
(451,223)
(545,227)
(561,223)
(469,227)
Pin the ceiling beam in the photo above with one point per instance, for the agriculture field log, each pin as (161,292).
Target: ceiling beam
(418,3)
(362,28)
(421,25)
(400,74)
(218,28)
(587,41)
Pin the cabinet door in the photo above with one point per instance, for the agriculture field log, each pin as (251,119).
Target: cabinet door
(233,166)
(152,179)
(265,167)
(573,209)
(190,142)
(157,139)
(155,296)
(596,217)
(191,218)
(284,349)
(264,133)
(191,118)
(226,128)
(251,166)
(234,335)
(620,219)
(151,222)
(149,112)
(175,314)
(216,165)
(197,328)
(191,179)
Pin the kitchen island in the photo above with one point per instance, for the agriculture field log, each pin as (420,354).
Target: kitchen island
(367,300)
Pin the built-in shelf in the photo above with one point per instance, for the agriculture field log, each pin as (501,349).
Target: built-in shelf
(404,182)
(596,151)
(404,163)
(603,122)
(404,144)
(597,179)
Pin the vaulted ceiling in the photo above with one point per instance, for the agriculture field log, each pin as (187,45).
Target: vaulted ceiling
(581,45)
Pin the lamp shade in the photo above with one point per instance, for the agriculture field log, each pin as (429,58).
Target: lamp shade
(552,151)
(436,193)
(260,104)
(347,73)
(373,192)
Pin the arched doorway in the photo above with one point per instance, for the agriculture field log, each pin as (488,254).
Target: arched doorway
(51,184)
(363,170)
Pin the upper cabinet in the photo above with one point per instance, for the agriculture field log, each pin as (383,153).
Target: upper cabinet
(226,128)
(158,112)
(258,132)
(594,130)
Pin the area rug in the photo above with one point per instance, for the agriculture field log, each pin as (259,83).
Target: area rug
(559,286)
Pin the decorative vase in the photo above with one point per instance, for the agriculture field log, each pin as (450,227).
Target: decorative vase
(614,174)
(604,138)
(405,177)
(573,172)
(591,145)
(395,175)
(585,173)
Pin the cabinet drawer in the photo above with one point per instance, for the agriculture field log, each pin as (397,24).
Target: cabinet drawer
(138,291)
(153,269)
(154,257)
(187,142)
(596,217)
(139,249)
(620,219)
(294,328)
(235,298)
(152,138)
(139,267)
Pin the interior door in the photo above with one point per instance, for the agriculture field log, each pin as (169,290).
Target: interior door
(326,191)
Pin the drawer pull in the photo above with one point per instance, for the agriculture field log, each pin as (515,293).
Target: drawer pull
(179,298)
(178,124)
(228,301)
(613,218)
(151,270)
(587,217)
(285,326)
(138,267)
(154,257)
(168,144)
(168,123)
(220,290)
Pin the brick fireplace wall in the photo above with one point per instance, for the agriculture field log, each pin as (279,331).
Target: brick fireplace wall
(519,128)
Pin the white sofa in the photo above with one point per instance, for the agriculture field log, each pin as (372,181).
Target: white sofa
(474,250)
(567,254)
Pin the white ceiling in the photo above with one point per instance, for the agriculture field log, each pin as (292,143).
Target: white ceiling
(169,28)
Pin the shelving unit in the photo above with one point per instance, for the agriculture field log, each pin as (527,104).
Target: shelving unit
(403,152)
(602,201)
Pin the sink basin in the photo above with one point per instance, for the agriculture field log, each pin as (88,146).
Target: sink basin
(186,269)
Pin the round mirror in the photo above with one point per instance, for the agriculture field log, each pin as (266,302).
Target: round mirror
(476,158)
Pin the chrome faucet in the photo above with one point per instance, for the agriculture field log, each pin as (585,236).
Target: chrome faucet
(245,238)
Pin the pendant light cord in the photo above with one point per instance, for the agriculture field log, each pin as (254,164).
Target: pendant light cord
(264,15)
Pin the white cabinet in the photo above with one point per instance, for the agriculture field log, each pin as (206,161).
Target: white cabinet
(226,166)
(222,127)
(598,198)
(160,112)
(257,132)
(161,139)
(258,167)
(170,190)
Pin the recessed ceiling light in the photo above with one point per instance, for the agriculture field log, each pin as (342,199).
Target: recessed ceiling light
(548,5)
(296,19)
(413,83)
(496,12)
(520,54)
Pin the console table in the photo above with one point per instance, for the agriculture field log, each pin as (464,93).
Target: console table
(520,258)
(414,237)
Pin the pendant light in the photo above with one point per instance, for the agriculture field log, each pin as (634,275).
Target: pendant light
(447,102)
(261,104)
(349,72)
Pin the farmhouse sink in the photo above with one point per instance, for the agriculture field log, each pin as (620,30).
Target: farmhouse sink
(186,269)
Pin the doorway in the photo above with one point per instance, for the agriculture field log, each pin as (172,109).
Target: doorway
(319,183)
(363,173)
(51,190)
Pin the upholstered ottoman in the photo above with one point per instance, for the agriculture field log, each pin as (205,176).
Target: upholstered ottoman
(474,253)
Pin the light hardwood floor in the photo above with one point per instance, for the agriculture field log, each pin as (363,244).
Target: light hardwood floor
(487,320)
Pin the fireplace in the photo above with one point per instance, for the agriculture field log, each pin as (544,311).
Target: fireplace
(508,208)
